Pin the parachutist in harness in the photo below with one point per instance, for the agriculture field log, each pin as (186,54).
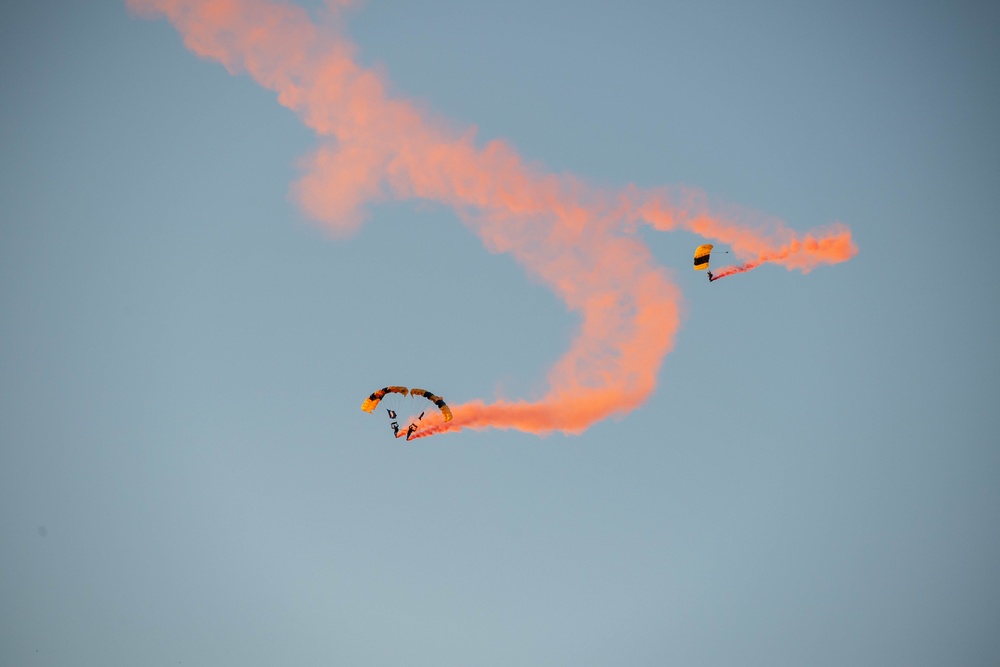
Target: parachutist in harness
(413,426)
(710,278)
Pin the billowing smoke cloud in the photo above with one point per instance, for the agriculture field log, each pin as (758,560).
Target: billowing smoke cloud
(578,240)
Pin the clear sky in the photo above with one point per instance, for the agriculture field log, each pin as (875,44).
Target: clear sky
(186,476)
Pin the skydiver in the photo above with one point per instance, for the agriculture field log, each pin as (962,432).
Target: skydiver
(409,431)
(392,413)
(395,428)
(710,278)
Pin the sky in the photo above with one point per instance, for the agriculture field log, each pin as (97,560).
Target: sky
(186,476)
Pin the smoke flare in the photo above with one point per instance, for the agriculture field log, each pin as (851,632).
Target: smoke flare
(578,240)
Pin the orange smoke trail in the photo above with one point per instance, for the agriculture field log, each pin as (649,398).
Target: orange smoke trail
(579,240)
(803,254)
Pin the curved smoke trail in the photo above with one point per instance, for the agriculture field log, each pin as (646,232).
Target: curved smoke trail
(579,240)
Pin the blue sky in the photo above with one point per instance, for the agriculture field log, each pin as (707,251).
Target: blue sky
(185,475)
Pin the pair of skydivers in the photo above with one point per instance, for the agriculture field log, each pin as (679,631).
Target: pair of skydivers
(395,425)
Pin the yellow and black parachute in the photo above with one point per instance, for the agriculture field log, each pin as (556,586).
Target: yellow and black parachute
(701,256)
(405,407)
(372,401)
(436,400)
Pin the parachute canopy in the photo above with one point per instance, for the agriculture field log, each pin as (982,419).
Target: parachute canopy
(436,400)
(701,255)
(372,401)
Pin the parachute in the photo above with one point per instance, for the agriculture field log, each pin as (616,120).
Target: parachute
(402,406)
(436,400)
(701,255)
(372,401)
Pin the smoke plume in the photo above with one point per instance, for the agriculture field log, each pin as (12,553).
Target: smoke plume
(578,240)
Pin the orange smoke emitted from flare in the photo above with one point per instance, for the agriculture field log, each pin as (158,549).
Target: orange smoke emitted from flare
(804,255)
(579,240)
